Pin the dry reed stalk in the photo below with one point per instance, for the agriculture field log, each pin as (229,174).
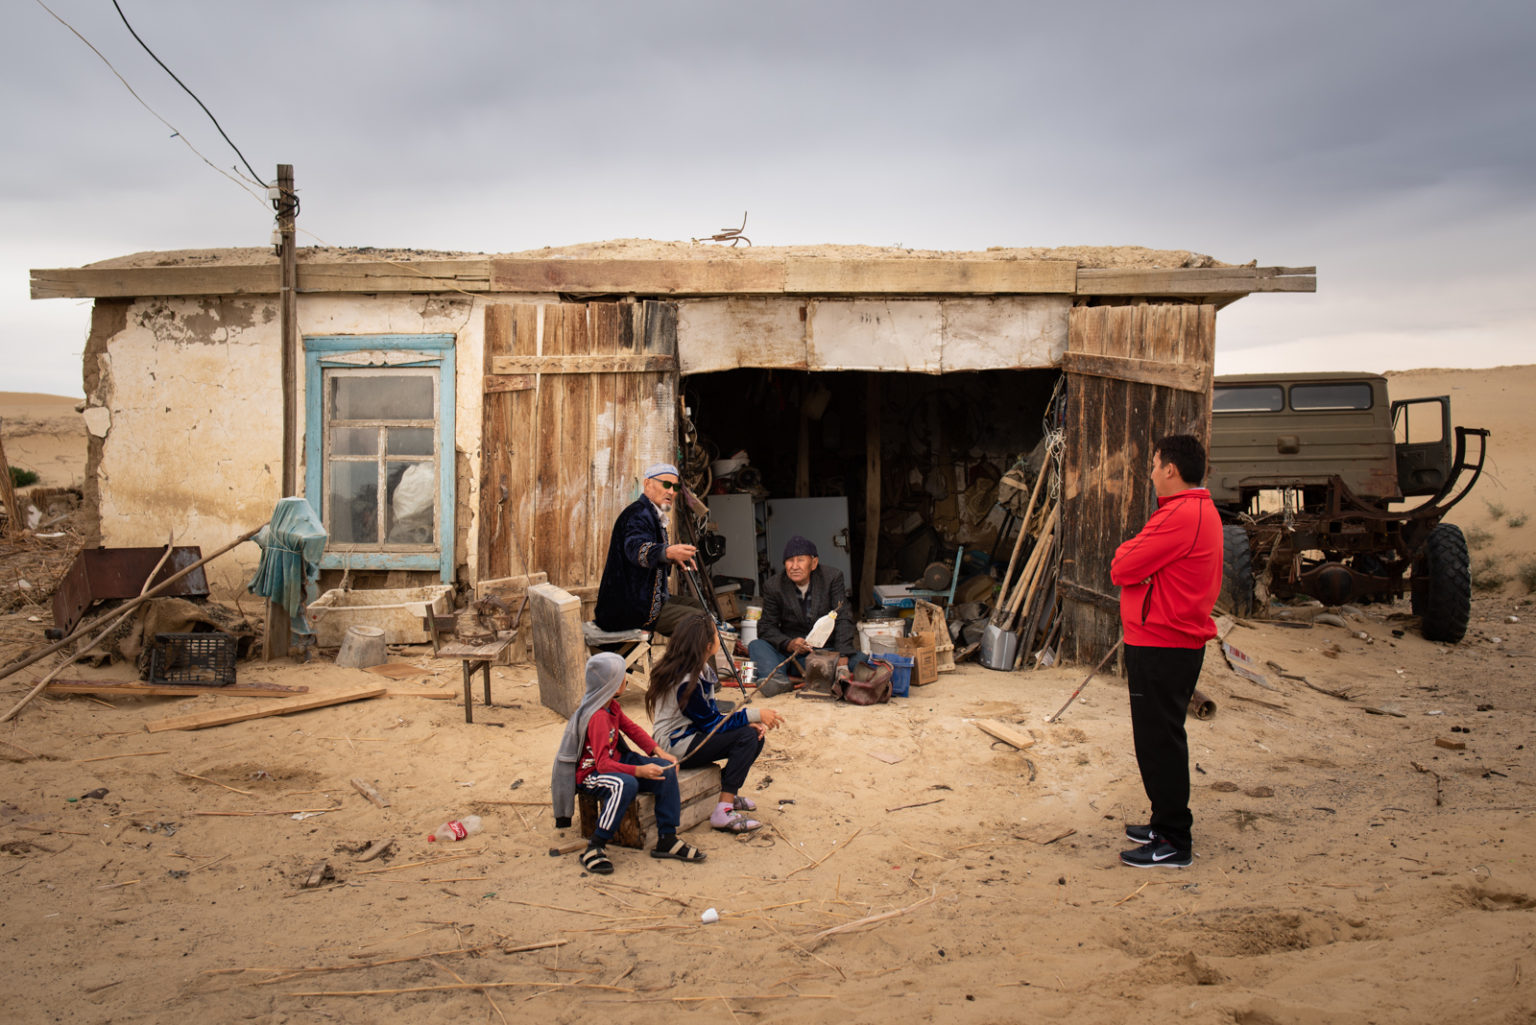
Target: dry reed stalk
(459,978)
(552,907)
(215,861)
(205,779)
(544,945)
(926,854)
(611,931)
(130,754)
(283,811)
(418,864)
(824,857)
(551,986)
(807,952)
(872,919)
(792,845)
(643,893)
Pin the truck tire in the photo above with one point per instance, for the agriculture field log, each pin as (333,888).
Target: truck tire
(1444,602)
(1236,571)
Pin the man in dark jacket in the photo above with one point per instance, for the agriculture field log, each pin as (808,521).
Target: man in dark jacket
(1169,577)
(792,602)
(633,592)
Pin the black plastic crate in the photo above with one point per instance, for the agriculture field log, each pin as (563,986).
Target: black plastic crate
(203,658)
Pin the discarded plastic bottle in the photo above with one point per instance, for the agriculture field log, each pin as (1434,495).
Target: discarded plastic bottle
(457,829)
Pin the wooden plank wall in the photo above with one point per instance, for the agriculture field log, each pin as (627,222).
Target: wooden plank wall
(591,403)
(1134,374)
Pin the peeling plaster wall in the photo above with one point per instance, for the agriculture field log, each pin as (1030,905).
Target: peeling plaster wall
(931,336)
(185,402)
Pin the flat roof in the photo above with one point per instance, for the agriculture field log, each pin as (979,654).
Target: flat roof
(640,267)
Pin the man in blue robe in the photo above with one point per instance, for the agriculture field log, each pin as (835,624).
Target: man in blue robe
(633,592)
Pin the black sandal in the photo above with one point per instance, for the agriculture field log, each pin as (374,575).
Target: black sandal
(595,860)
(677,849)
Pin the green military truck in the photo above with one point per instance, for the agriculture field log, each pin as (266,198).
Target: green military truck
(1315,476)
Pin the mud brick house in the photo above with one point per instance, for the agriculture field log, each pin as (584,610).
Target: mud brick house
(468,417)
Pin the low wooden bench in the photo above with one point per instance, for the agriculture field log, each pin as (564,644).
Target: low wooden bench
(698,789)
(634,645)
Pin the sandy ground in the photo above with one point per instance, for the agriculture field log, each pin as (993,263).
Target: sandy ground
(1364,856)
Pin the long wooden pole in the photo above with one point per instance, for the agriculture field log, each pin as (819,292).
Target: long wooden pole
(170,545)
(1029,511)
(278,628)
(287,205)
(872,476)
(1032,569)
(8,496)
(153,592)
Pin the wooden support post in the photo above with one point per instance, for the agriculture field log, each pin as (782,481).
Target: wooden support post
(287,209)
(278,627)
(871,493)
(803,457)
(8,496)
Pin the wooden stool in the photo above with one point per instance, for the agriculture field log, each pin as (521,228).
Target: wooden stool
(634,645)
(476,658)
(698,789)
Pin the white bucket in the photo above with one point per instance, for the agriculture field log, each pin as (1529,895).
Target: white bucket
(889,629)
(748,631)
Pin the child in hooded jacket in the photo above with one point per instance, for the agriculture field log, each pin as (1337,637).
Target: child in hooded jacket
(593,758)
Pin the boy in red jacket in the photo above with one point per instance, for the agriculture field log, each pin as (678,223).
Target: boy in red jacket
(1169,577)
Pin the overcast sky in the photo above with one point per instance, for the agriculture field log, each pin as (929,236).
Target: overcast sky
(1388,143)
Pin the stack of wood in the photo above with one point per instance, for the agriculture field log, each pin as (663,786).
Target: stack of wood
(1028,604)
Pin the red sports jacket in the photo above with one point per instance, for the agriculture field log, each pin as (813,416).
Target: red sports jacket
(1170,574)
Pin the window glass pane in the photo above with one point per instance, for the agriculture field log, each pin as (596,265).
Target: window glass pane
(410,441)
(1348,395)
(412,501)
(386,396)
(355,441)
(354,497)
(1248,398)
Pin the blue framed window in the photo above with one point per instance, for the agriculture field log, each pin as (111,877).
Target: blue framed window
(378,447)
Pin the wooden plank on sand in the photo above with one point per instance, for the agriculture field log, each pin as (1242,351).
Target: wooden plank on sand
(1006,734)
(172,690)
(223,717)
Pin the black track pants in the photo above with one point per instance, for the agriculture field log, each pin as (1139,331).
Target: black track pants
(1161,682)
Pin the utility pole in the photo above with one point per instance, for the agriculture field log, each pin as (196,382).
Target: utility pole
(279,627)
(287,204)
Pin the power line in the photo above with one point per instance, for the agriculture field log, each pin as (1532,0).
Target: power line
(175,132)
(192,94)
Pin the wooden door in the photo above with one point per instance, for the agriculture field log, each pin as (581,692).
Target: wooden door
(1134,374)
(579,399)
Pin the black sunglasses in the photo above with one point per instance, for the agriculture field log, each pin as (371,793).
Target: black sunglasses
(670,485)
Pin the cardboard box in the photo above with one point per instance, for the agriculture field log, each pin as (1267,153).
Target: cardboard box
(729,601)
(921,648)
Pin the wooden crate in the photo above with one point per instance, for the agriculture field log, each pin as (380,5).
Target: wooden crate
(699,789)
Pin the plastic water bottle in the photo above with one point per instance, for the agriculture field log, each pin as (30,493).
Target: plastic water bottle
(457,829)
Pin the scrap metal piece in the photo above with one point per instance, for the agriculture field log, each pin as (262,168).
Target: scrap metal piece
(99,574)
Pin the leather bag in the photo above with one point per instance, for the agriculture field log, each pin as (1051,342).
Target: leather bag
(868,684)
